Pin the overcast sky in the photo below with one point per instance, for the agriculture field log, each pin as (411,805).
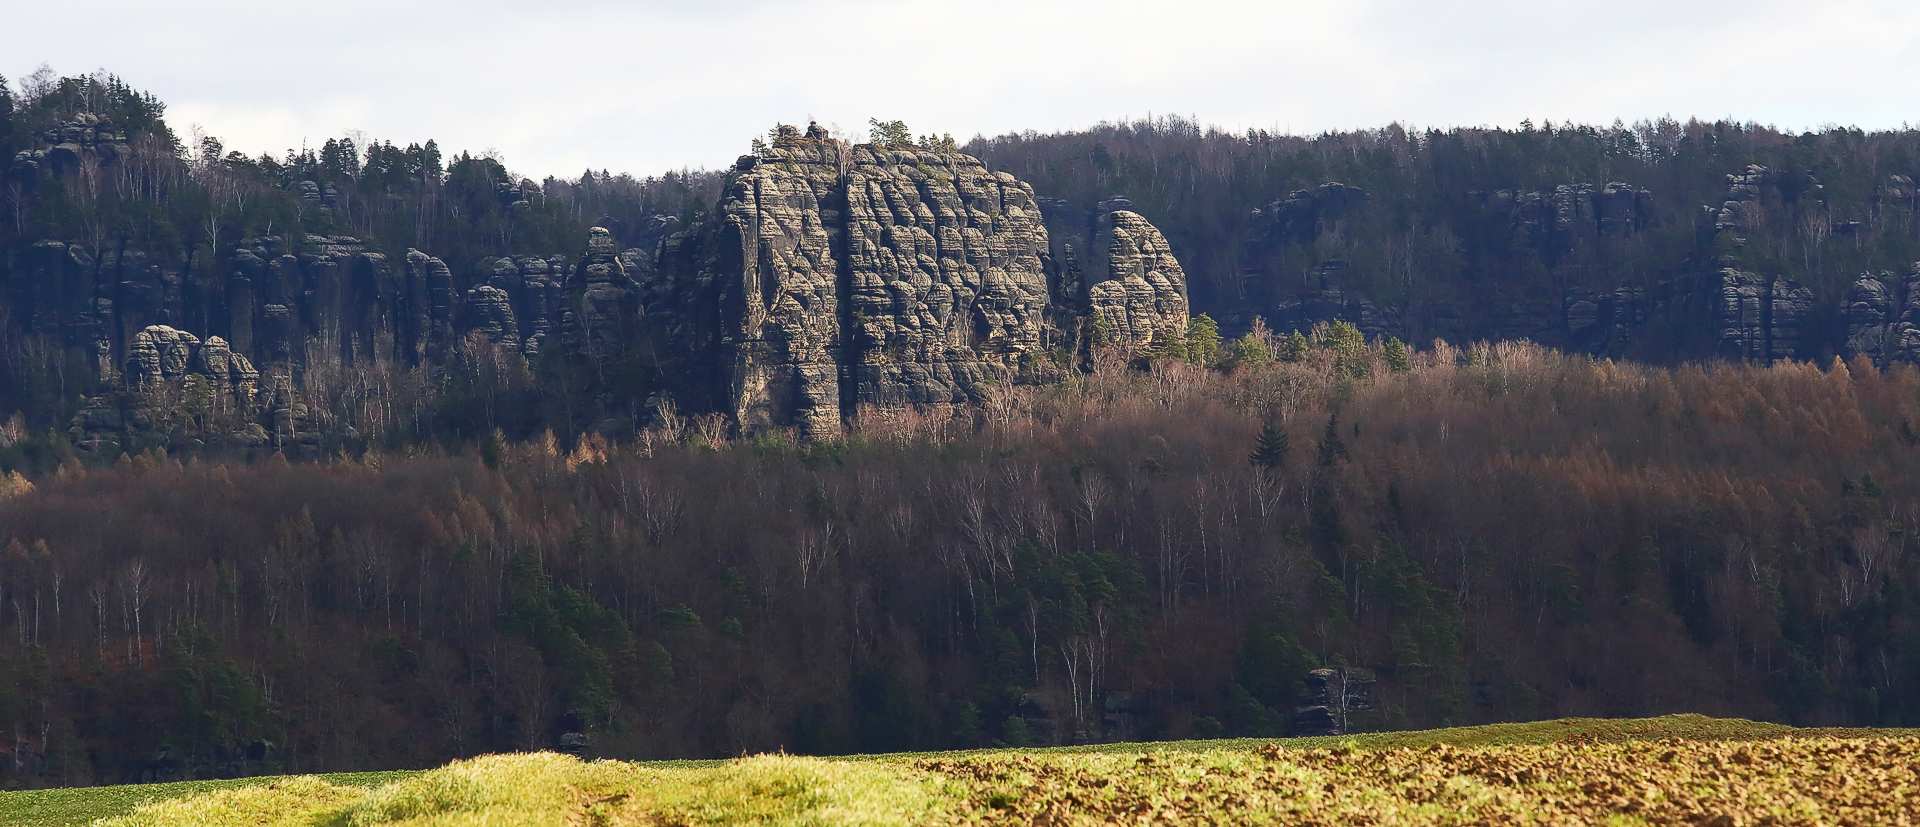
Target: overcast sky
(643,86)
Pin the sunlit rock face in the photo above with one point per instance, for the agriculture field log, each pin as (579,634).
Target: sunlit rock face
(842,278)
(1142,301)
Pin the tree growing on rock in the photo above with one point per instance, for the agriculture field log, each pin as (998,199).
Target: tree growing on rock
(889,134)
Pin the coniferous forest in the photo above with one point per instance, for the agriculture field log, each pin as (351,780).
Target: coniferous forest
(376,455)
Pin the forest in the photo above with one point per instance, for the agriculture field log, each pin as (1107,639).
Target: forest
(1497,533)
(1504,233)
(1649,450)
(1660,241)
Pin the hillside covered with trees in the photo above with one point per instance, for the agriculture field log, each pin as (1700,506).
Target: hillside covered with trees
(1504,533)
(368,456)
(1661,242)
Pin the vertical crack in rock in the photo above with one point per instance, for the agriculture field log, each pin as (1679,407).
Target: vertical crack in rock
(780,303)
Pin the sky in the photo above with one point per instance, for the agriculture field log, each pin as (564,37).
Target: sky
(644,86)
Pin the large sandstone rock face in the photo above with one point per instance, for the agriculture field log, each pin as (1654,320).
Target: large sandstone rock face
(830,279)
(1883,317)
(837,278)
(947,273)
(779,283)
(1556,221)
(599,302)
(427,308)
(489,311)
(534,288)
(161,354)
(1761,318)
(1142,301)
(162,363)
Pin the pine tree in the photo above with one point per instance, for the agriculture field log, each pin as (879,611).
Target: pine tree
(1251,350)
(1394,352)
(1015,733)
(1344,339)
(1203,341)
(1173,345)
(1295,348)
(889,134)
(1270,450)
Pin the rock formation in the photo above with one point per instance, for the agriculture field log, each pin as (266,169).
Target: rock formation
(157,354)
(1883,317)
(600,303)
(779,287)
(1761,318)
(229,373)
(533,299)
(831,278)
(489,311)
(1555,221)
(948,276)
(166,366)
(1301,300)
(1305,215)
(1142,299)
(85,137)
(861,276)
(428,308)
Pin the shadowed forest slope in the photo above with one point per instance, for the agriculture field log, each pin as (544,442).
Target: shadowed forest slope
(1501,533)
(1661,240)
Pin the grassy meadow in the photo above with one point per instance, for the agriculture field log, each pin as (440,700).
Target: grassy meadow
(1683,769)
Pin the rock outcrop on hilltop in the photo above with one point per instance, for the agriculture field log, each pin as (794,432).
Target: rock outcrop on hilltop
(1883,317)
(829,279)
(1142,300)
(781,235)
(1761,318)
(1299,253)
(947,274)
(837,278)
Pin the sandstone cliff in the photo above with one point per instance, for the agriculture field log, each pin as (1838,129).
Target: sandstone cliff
(839,277)
(947,275)
(1883,317)
(1142,300)
(829,279)
(1300,252)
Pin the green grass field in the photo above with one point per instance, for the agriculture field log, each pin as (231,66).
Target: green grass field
(1682,769)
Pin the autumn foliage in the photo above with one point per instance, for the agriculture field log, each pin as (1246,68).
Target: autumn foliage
(1497,533)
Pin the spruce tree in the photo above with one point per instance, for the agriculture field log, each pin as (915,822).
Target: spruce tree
(1270,450)
(1394,352)
(1331,448)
